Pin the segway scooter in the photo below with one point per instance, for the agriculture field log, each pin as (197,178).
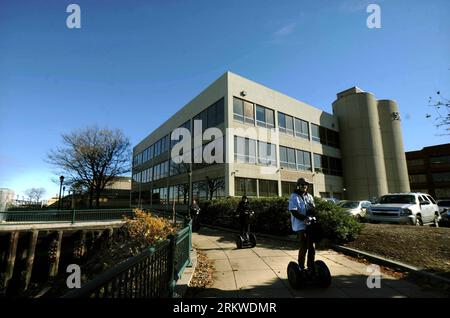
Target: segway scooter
(320,276)
(248,239)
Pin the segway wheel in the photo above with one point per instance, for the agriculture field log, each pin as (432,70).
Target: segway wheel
(252,238)
(294,275)
(239,241)
(323,273)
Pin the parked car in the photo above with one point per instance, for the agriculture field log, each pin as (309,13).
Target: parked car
(444,211)
(405,208)
(443,205)
(356,208)
(333,200)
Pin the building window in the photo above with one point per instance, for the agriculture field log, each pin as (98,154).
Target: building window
(332,138)
(417,178)
(327,165)
(238,109)
(287,158)
(215,114)
(441,160)
(285,123)
(441,177)
(335,166)
(245,186)
(244,150)
(268,188)
(315,133)
(266,154)
(416,162)
(301,128)
(318,164)
(325,136)
(441,193)
(264,117)
(287,188)
(303,160)
(244,111)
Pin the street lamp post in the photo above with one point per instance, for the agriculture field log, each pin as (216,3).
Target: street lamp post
(61,180)
(62,198)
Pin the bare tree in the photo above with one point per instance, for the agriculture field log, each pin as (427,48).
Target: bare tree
(441,106)
(214,185)
(91,158)
(35,194)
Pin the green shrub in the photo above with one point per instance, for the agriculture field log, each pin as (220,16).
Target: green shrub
(338,225)
(272,217)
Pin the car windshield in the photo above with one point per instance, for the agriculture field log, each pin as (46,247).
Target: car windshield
(444,203)
(350,204)
(409,199)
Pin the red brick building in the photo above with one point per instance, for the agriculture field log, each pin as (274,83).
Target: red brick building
(429,170)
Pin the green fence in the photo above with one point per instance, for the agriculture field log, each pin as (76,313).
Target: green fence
(72,216)
(152,274)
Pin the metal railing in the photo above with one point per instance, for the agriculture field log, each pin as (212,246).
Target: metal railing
(151,274)
(72,216)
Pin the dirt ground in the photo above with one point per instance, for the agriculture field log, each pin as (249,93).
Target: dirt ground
(421,246)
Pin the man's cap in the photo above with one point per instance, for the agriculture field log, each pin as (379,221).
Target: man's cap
(302,181)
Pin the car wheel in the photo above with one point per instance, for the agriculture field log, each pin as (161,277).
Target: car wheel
(419,221)
(359,218)
(436,220)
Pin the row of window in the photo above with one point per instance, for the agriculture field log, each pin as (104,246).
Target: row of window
(247,150)
(267,188)
(438,160)
(295,159)
(293,126)
(157,148)
(154,173)
(327,165)
(325,136)
(247,186)
(249,113)
(210,117)
(437,177)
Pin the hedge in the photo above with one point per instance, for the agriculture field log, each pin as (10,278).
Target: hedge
(272,217)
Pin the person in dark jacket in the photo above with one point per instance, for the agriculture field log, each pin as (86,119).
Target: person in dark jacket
(194,212)
(245,214)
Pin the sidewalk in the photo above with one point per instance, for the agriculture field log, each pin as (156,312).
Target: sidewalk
(261,271)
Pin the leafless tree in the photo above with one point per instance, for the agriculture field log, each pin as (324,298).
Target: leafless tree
(214,185)
(91,158)
(35,194)
(441,105)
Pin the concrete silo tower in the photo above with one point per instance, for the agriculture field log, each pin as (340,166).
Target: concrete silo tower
(394,152)
(361,144)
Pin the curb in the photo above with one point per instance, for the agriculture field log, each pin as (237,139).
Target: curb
(415,272)
(183,283)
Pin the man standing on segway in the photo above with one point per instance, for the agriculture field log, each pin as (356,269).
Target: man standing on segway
(302,207)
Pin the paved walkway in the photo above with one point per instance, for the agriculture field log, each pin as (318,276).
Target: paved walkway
(261,271)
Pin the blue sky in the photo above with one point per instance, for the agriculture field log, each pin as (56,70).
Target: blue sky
(135,63)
